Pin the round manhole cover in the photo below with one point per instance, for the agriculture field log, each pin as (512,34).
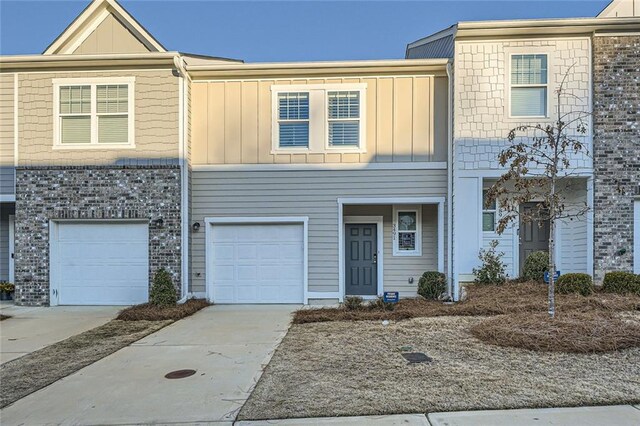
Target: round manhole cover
(180,374)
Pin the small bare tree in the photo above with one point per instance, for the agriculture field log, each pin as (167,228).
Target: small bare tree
(539,170)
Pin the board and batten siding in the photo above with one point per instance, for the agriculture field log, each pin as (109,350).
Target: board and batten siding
(312,193)
(398,269)
(7,134)
(406,121)
(156,106)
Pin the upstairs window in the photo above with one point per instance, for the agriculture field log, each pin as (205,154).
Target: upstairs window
(93,113)
(344,119)
(318,118)
(529,85)
(293,120)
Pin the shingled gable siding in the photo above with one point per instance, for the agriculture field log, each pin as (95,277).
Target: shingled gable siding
(92,193)
(616,92)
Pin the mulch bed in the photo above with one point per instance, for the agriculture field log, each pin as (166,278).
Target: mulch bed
(482,300)
(29,373)
(577,332)
(347,369)
(148,312)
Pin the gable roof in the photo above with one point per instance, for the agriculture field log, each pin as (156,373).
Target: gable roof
(620,8)
(90,18)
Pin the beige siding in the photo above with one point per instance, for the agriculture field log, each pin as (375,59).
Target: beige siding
(110,37)
(156,120)
(398,269)
(6,133)
(406,120)
(314,194)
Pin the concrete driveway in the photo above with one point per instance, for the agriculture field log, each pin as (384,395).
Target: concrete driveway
(33,328)
(228,346)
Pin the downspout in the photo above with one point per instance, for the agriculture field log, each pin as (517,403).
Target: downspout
(453,280)
(184,172)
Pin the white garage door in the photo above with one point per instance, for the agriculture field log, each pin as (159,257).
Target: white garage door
(100,263)
(258,263)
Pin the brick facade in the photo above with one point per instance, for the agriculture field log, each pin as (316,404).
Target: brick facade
(92,193)
(616,92)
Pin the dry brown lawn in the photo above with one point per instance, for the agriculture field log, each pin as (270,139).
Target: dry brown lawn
(344,368)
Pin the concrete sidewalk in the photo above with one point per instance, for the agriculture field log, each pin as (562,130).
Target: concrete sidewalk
(616,415)
(33,328)
(228,346)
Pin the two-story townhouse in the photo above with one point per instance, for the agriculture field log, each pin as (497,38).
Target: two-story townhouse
(505,74)
(93,163)
(249,183)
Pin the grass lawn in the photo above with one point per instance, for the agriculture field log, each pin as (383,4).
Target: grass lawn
(29,373)
(344,368)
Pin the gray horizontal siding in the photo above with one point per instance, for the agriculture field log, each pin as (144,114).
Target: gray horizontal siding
(6,209)
(312,193)
(7,181)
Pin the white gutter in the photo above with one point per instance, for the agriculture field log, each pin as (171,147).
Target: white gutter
(318,64)
(450,184)
(184,180)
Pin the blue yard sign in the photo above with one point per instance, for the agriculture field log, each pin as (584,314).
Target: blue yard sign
(391,297)
(555,277)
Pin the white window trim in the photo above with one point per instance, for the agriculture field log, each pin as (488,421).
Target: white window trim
(407,208)
(547,86)
(93,82)
(318,118)
(484,210)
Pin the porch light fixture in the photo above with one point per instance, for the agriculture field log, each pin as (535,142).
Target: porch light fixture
(159,222)
(195,226)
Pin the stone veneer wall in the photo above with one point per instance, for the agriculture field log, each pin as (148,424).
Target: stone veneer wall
(92,192)
(616,92)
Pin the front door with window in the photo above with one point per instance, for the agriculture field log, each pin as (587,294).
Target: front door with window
(361,269)
(534,236)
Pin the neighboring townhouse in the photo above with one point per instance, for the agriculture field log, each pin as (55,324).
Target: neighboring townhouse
(249,183)
(506,74)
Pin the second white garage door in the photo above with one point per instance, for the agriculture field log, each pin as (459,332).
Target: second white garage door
(257,263)
(100,263)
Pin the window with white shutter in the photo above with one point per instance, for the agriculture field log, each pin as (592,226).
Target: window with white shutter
(93,113)
(529,85)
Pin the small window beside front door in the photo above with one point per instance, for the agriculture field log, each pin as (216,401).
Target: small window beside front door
(407,235)
(488,213)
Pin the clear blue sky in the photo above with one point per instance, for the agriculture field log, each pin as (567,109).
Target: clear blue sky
(279,30)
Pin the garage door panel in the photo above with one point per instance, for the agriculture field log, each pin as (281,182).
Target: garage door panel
(258,263)
(101,263)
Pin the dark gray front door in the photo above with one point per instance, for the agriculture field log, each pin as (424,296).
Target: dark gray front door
(361,267)
(533,236)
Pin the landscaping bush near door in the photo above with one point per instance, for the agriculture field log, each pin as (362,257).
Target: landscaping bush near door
(492,270)
(432,285)
(621,283)
(575,283)
(535,265)
(163,292)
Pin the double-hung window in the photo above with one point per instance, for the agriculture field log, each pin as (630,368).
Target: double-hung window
(407,231)
(318,118)
(488,213)
(344,119)
(293,120)
(93,113)
(529,85)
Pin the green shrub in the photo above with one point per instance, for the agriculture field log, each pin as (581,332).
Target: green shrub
(575,283)
(492,270)
(535,265)
(162,293)
(380,305)
(353,303)
(7,287)
(621,283)
(432,285)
